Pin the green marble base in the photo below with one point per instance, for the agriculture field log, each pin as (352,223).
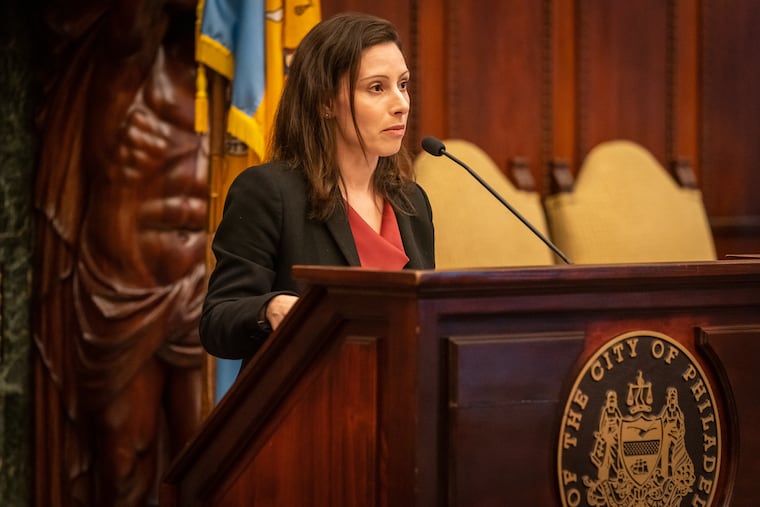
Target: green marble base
(17,159)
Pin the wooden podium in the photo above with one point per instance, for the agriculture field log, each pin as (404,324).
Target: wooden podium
(443,388)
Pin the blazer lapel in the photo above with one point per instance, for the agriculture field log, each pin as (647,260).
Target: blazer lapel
(407,238)
(338,226)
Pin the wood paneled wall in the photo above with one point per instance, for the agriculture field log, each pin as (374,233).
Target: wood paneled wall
(548,80)
(729,126)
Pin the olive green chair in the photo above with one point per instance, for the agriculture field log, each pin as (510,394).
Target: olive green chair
(472,228)
(626,208)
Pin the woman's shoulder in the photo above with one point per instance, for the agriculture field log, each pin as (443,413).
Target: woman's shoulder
(266,186)
(274,170)
(270,174)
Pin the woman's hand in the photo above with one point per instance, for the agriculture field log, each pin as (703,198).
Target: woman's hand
(278,307)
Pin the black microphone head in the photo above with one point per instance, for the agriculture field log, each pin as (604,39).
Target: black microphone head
(433,146)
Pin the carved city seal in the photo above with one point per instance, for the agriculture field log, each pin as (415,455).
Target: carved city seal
(640,428)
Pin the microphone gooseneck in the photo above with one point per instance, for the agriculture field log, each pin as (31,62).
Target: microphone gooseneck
(436,148)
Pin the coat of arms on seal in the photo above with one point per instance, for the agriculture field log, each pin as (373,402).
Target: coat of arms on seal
(640,428)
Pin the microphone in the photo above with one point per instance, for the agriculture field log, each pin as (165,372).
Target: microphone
(436,148)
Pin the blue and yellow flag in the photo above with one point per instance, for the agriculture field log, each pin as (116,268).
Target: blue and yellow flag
(249,42)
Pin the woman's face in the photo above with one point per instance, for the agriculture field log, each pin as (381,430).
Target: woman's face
(381,102)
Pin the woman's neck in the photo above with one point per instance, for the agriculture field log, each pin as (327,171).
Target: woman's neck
(356,169)
(360,194)
(357,186)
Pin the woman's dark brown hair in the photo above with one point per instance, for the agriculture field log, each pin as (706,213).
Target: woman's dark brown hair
(303,138)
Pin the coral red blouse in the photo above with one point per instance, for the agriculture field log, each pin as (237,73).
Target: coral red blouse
(383,251)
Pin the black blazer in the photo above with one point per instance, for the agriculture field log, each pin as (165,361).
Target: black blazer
(264,231)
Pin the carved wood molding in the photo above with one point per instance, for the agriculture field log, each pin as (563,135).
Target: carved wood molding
(670,77)
(582,79)
(547,103)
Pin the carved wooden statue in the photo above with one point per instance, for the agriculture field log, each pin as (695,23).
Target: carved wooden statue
(121,196)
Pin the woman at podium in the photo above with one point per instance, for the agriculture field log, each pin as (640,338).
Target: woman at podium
(338,189)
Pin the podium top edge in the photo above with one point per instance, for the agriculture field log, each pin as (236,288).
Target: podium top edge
(745,269)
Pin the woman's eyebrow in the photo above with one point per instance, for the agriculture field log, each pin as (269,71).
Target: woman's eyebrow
(383,76)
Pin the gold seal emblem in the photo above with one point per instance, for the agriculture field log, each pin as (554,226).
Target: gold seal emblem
(640,428)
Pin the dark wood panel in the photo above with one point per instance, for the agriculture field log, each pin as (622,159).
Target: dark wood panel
(496,77)
(504,387)
(623,74)
(499,444)
(737,350)
(430,88)
(684,143)
(563,82)
(399,12)
(731,122)
(481,366)
(736,235)
(339,400)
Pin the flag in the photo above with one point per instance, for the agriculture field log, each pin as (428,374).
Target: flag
(250,43)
